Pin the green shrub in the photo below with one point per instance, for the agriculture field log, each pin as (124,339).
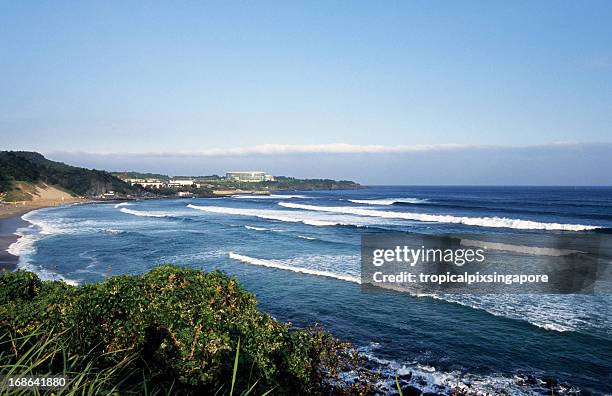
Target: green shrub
(18,286)
(179,327)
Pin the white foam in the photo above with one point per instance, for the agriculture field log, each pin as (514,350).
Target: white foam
(123,204)
(277,215)
(283,266)
(142,213)
(496,222)
(387,201)
(561,313)
(255,228)
(45,274)
(552,327)
(268,196)
(23,245)
(306,237)
(506,247)
(428,379)
(45,227)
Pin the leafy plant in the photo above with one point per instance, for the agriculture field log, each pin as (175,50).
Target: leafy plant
(171,328)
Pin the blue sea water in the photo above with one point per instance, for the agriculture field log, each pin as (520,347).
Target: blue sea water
(491,342)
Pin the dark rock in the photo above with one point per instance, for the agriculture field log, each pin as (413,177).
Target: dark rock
(410,390)
(551,382)
(370,365)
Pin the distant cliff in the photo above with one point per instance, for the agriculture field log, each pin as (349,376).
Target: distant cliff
(31,167)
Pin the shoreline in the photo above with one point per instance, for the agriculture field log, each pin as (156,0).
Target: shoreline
(11,220)
(8,228)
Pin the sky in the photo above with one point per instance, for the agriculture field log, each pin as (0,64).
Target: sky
(407,92)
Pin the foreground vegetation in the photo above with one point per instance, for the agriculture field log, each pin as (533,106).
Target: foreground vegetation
(169,331)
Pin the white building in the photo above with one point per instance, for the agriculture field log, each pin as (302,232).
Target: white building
(177,183)
(155,183)
(108,195)
(249,176)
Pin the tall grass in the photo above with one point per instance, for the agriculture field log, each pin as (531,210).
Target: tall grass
(46,354)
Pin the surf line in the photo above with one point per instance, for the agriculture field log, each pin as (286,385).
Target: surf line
(277,265)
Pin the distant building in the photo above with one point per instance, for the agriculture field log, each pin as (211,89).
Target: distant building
(134,181)
(109,195)
(177,183)
(249,177)
(185,194)
(155,183)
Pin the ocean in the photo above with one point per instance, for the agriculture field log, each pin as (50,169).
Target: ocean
(299,252)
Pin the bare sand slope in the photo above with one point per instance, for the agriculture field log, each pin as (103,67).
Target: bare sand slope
(43,196)
(50,193)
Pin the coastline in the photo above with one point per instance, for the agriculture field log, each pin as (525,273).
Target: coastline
(11,214)
(8,227)
(11,220)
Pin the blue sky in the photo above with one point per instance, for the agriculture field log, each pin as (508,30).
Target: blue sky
(96,82)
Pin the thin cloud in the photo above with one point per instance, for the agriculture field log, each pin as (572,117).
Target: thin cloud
(281,149)
(336,148)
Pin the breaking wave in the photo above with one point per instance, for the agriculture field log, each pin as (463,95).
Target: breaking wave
(496,222)
(142,213)
(548,312)
(283,266)
(27,236)
(123,204)
(523,249)
(256,228)
(277,215)
(521,308)
(25,246)
(24,243)
(45,274)
(270,196)
(388,201)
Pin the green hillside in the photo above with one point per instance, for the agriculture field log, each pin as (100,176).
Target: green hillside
(140,175)
(31,167)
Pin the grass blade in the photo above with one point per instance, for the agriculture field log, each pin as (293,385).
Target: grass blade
(235,367)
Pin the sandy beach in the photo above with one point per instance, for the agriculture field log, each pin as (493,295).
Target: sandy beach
(10,219)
